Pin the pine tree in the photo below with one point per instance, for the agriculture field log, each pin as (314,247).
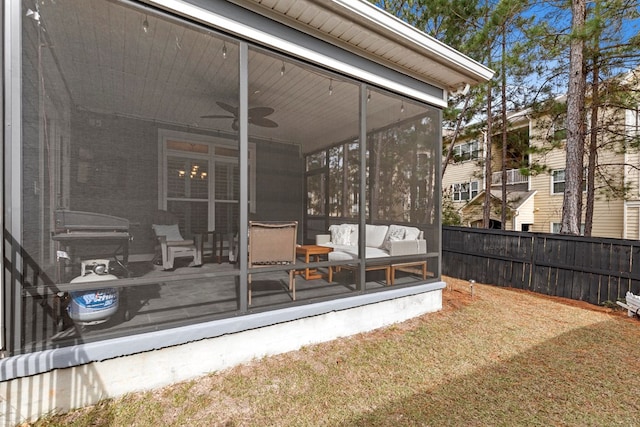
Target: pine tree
(574,148)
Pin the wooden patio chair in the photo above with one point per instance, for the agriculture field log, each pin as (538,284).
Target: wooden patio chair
(273,243)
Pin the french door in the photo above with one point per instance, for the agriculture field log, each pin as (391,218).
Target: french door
(200,182)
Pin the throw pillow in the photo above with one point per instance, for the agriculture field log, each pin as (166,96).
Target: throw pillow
(411,233)
(344,235)
(395,233)
(340,234)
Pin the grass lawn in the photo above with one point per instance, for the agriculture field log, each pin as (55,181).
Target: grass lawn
(500,358)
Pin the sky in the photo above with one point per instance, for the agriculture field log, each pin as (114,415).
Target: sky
(560,17)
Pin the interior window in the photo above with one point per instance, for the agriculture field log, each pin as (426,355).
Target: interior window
(201,183)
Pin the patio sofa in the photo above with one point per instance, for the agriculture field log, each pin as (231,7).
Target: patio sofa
(381,241)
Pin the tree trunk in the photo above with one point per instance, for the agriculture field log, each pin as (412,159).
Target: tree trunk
(503,210)
(486,209)
(572,203)
(593,148)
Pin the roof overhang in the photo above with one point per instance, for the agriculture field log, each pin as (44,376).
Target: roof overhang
(390,28)
(515,199)
(364,29)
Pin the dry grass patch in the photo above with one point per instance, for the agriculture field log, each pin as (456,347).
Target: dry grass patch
(503,357)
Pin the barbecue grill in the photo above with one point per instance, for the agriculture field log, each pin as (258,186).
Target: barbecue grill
(91,232)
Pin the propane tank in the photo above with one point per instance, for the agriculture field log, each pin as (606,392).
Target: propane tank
(95,306)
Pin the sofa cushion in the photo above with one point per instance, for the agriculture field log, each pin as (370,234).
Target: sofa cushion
(375,253)
(394,234)
(350,253)
(411,233)
(376,235)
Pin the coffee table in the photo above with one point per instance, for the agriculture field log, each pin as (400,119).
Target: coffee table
(368,267)
(414,267)
(308,251)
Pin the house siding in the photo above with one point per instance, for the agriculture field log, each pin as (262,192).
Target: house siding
(608,213)
(461,172)
(526,214)
(548,206)
(633,221)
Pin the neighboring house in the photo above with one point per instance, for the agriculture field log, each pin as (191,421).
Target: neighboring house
(139,136)
(535,200)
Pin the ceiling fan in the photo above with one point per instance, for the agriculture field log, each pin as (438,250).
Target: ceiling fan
(257,116)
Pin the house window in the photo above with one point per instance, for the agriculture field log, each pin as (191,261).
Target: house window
(558,181)
(465,191)
(475,188)
(467,151)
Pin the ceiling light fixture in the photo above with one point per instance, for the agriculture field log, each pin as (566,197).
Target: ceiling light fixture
(368,95)
(224,50)
(330,86)
(402,107)
(282,69)
(145,25)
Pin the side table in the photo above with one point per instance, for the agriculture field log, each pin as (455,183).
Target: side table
(308,251)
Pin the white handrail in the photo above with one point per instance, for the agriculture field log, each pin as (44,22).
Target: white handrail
(514,176)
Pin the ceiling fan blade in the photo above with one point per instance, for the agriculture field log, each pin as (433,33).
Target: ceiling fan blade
(256,116)
(264,122)
(216,116)
(260,111)
(229,108)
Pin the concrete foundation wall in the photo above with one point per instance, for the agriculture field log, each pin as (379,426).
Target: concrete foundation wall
(60,390)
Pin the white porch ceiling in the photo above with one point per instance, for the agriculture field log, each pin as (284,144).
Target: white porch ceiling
(173,74)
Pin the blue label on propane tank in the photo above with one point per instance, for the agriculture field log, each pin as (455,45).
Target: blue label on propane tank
(97,299)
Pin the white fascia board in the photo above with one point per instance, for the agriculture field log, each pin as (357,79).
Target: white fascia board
(394,25)
(250,33)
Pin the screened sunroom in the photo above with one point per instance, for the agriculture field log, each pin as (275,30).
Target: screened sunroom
(206,121)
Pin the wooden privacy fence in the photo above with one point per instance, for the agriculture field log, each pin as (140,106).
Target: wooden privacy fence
(589,269)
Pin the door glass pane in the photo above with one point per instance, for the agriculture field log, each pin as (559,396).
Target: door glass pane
(227,214)
(193,217)
(227,196)
(227,183)
(187,178)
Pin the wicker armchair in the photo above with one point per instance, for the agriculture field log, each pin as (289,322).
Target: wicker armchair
(273,243)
